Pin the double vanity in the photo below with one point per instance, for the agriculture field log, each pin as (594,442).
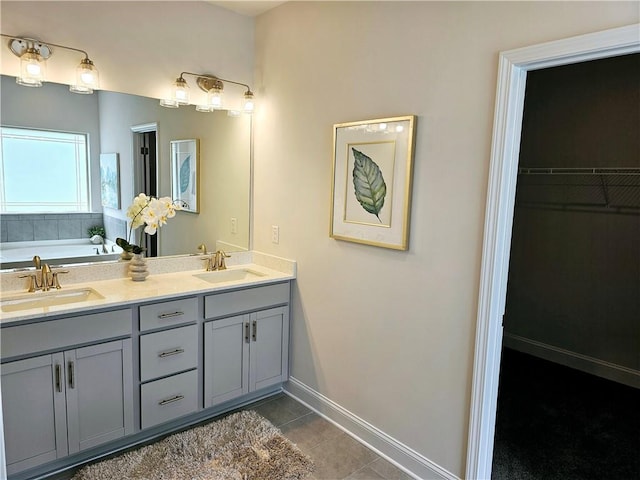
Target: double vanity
(99,366)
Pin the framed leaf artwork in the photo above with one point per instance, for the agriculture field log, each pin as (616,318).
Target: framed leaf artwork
(372,176)
(185,175)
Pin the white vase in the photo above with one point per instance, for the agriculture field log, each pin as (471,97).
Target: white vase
(138,268)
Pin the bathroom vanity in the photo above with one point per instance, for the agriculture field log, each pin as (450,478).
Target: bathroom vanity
(137,360)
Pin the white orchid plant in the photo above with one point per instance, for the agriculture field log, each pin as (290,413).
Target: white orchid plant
(151,212)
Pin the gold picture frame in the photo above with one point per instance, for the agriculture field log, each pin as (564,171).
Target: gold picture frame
(185,174)
(371,181)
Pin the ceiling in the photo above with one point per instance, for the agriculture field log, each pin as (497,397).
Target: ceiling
(249,8)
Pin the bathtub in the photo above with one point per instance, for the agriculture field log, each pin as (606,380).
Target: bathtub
(55,252)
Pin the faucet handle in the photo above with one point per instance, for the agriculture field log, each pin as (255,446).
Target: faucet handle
(36,262)
(32,282)
(221,256)
(54,281)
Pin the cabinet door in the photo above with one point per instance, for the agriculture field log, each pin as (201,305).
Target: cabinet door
(33,408)
(268,354)
(99,394)
(226,359)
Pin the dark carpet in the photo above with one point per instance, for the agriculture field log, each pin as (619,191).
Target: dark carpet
(554,422)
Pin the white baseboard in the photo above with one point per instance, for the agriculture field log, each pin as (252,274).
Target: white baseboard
(587,364)
(402,456)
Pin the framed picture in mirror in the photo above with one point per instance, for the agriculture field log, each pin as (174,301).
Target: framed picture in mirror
(185,175)
(110,180)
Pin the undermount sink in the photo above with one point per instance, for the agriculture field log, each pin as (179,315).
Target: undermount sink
(222,276)
(48,299)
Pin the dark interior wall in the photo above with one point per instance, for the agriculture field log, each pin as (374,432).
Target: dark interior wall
(583,115)
(574,278)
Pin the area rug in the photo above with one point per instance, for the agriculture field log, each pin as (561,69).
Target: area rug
(242,446)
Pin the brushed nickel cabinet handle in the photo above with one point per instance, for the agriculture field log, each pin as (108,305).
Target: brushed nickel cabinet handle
(58,378)
(169,353)
(167,401)
(246,332)
(254,335)
(169,315)
(72,380)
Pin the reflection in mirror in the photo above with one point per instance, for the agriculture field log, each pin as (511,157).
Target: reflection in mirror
(112,123)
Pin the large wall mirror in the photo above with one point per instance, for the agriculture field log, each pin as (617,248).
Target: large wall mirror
(123,124)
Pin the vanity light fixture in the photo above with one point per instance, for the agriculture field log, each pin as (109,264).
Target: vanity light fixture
(214,86)
(33,55)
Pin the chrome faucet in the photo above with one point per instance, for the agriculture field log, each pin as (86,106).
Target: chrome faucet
(101,239)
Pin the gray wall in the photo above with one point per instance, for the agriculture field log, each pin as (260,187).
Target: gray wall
(224,167)
(54,107)
(41,108)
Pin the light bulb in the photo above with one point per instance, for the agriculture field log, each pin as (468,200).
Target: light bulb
(180,92)
(249,103)
(87,78)
(214,98)
(31,69)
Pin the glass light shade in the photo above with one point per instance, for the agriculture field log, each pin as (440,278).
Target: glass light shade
(249,103)
(87,78)
(214,98)
(169,103)
(32,69)
(180,92)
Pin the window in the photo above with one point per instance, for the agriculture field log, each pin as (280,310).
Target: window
(43,171)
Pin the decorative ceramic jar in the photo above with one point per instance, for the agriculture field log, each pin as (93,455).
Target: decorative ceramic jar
(138,268)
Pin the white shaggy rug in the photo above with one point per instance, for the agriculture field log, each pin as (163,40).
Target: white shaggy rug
(242,446)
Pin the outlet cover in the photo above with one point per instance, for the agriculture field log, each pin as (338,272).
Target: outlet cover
(275,234)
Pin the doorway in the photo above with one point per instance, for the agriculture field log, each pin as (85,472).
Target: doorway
(572,305)
(145,155)
(512,75)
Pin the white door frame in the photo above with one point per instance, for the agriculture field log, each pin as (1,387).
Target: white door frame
(512,75)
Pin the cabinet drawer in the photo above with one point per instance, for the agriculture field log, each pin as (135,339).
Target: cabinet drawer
(169,398)
(64,332)
(167,352)
(231,303)
(168,314)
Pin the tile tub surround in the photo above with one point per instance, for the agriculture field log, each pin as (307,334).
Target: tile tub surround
(49,226)
(169,277)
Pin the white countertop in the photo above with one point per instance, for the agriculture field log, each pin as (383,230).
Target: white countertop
(157,286)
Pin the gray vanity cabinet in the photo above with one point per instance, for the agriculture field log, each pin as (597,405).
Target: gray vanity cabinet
(34,411)
(168,360)
(247,352)
(243,354)
(99,381)
(58,404)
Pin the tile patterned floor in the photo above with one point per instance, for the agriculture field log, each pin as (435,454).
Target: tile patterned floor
(337,456)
